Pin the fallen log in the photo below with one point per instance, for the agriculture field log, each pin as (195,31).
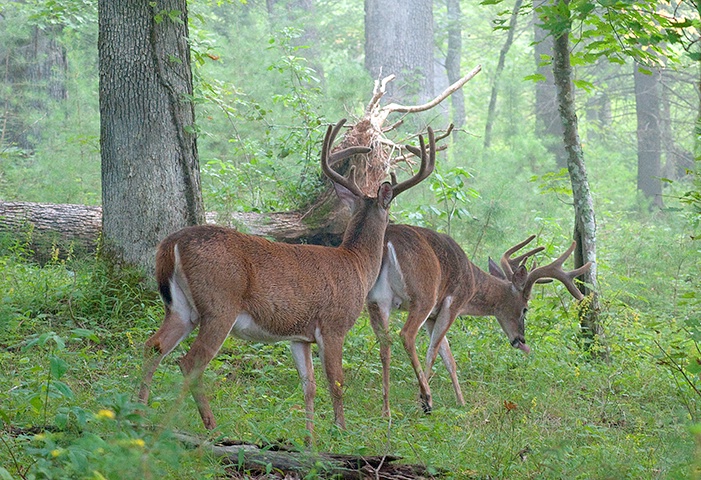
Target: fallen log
(246,460)
(47,226)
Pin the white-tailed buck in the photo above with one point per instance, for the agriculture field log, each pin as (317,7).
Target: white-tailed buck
(428,274)
(228,282)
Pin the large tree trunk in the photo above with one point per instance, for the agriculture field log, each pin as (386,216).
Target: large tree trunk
(647,108)
(585,221)
(547,124)
(399,40)
(150,167)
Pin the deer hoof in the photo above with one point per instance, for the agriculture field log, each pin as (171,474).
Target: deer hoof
(426,404)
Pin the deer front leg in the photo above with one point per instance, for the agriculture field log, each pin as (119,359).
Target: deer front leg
(302,355)
(171,333)
(438,344)
(210,338)
(331,356)
(449,362)
(379,319)
(417,316)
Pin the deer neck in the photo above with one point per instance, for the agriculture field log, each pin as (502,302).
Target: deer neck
(488,293)
(364,240)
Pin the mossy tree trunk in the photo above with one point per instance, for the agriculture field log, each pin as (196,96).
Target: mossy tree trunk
(585,221)
(150,167)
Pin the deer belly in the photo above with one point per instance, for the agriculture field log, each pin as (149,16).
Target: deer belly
(389,291)
(246,328)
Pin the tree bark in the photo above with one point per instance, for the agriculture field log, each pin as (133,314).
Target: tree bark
(647,108)
(150,166)
(399,40)
(497,74)
(547,125)
(50,229)
(585,221)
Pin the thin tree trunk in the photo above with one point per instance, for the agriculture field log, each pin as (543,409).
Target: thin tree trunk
(647,108)
(585,222)
(452,60)
(547,126)
(497,74)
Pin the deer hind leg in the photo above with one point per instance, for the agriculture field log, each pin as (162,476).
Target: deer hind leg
(379,319)
(176,327)
(416,317)
(302,355)
(331,355)
(210,337)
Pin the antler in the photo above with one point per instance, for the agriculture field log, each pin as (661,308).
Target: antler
(327,159)
(555,271)
(509,264)
(428,162)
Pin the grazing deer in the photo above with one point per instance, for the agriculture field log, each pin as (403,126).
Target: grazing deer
(428,274)
(228,282)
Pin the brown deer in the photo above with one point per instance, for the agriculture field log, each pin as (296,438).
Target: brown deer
(228,282)
(428,274)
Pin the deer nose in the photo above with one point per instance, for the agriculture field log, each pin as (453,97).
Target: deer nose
(520,343)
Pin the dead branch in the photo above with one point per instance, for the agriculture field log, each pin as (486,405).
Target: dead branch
(379,115)
(251,459)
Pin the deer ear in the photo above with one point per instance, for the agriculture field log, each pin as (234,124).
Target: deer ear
(385,194)
(345,195)
(495,270)
(520,277)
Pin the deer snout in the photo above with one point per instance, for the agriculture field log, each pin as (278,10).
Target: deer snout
(520,343)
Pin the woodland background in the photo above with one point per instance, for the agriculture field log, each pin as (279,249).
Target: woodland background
(268,76)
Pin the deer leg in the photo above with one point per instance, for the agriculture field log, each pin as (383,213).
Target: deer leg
(302,355)
(379,319)
(210,337)
(451,366)
(416,317)
(437,328)
(438,344)
(171,333)
(449,362)
(331,355)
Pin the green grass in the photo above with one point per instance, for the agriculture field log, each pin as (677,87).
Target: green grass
(70,354)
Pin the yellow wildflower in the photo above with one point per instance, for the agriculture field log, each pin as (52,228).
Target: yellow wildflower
(104,413)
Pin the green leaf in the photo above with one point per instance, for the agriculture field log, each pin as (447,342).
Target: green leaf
(58,366)
(4,474)
(63,389)
(84,333)
(584,85)
(536,77)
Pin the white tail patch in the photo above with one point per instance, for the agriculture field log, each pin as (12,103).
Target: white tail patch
(183,304)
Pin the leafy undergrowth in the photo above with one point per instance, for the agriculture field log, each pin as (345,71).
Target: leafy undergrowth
(70,355)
